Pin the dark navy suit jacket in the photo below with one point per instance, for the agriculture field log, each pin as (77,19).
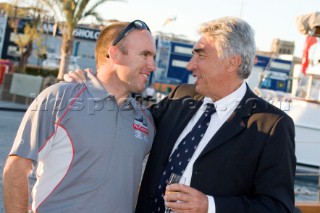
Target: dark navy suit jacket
(249,164)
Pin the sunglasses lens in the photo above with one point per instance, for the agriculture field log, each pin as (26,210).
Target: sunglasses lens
(137,24)
(140,25)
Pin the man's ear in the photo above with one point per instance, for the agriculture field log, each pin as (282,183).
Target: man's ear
(234,62)
(112,53)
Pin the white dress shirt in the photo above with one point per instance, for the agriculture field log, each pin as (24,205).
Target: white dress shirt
(225,108)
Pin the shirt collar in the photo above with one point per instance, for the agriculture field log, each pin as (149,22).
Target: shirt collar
(228,103)
(95,89)
(98,92)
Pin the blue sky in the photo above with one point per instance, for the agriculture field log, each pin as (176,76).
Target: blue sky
(269,18)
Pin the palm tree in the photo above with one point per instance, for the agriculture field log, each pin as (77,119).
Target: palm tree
(68,13)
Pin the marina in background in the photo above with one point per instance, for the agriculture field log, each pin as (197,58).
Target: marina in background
(276,77)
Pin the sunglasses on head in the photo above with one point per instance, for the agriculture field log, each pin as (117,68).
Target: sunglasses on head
(135,25)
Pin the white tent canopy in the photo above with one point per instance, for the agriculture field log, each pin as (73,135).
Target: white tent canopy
(308,23)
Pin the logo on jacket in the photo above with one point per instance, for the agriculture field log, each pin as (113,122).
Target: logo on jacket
(140,128)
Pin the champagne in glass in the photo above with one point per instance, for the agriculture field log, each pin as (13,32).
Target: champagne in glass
(174,178)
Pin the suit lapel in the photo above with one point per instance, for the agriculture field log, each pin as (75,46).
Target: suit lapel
(231,127)
(234,124)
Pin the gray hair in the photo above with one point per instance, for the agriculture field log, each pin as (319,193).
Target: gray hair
(233,36)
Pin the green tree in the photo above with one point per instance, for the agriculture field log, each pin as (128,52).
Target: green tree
(32,30)
(68,13)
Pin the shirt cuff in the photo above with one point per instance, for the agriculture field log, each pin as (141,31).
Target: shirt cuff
(211,205)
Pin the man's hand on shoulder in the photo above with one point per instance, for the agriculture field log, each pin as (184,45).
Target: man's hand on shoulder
(77,76)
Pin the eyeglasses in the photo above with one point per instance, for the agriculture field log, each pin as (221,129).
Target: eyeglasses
(135,25)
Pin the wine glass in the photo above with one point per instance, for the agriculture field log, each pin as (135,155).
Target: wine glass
(174,178)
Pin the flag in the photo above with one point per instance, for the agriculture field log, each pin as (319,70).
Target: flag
(310,40)
(169,20)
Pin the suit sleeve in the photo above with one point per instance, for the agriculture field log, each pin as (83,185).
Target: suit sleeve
(274,179)
(157,110)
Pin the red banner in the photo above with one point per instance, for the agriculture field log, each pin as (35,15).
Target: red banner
(310,40)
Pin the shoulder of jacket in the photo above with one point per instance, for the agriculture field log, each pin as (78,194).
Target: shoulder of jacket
(185,90)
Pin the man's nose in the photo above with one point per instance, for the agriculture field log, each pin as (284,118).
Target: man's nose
(152,65)
(191,65)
